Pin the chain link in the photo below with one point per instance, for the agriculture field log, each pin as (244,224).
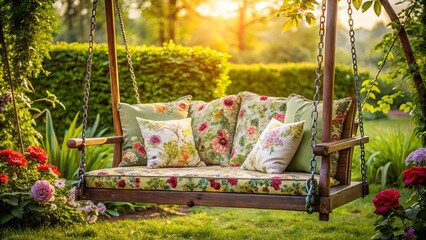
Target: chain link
(81,170)
(312,183)
(129,59)
(358,92)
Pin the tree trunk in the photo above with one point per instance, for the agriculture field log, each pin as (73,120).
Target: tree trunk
(241,26)
(172,16)
(409,56)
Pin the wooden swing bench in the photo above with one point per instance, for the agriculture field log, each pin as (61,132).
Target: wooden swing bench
(331,192)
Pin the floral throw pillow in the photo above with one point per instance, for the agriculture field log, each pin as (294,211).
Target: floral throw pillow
(169,143)
(275,148)
(255,113)
(213,126)
(132,150)
(300,108)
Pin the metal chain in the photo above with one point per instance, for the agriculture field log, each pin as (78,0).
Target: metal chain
(358,92)
(129,59)
(385,58)
(86,96)
(312,183)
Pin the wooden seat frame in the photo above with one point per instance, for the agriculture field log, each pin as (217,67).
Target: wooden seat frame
(328,198)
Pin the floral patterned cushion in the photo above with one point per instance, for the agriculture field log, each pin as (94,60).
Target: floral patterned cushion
(213,126)
(255,113)
(275,148)
(133,144)
(300,108)
(199,179)
(169,143)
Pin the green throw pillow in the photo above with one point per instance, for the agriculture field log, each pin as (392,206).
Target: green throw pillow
(133,147)
(213,126)
(299,109)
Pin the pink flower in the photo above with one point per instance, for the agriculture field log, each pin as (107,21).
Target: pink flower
(251,132)
(203,127)
(60,183)
(42,191)
(155,139)
(220,143)
(241,113)
(101,207)
(201,107)
(232,181)
(182,105)
(280,117)
(37,153)
(229,102)
(276,182)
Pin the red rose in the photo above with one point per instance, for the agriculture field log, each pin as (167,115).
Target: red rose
(14,158)
(214,184)
(172,181)
(414,176)
(385,201)
(121,183)
(4,178)
(263,98)
(37,153)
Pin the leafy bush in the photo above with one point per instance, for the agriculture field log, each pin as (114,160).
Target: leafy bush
(163,73)
(283,79)
(32,194)
(386,154)
(68,160)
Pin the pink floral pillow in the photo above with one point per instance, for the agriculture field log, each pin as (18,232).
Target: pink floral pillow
(255,113)
(213,126)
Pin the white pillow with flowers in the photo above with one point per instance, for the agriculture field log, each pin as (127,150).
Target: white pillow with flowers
(169,143)
(275,148)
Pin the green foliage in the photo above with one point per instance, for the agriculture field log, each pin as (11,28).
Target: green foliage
(68,160)
(283,79)
(295,11)
(27,27)
(31,194)
(386,155)
(163,74)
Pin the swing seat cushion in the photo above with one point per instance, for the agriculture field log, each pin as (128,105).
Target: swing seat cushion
(199,179)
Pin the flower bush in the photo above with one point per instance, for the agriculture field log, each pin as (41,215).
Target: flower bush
(412,218)
(32,194)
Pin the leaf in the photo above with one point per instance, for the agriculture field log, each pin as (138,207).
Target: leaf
(366,5)
(357,4)
(377,7)
(385,174)
(12,201)
(36,208)
(113,213)
(17,212)
(288,25)
(310,19)
(6,218)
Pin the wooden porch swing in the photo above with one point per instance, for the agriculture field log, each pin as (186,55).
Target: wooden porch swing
(328,198)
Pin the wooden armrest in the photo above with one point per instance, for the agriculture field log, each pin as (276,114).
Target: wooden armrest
(329,147)
(78,142)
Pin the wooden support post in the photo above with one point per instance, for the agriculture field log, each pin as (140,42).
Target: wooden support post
(113,71)
(328,91)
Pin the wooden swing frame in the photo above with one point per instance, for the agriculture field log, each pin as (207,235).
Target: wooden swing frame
(328,199)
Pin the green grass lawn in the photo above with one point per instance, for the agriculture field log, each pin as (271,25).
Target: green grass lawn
(352,221)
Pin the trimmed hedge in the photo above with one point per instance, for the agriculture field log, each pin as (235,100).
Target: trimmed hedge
(163,74)
(284,79)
